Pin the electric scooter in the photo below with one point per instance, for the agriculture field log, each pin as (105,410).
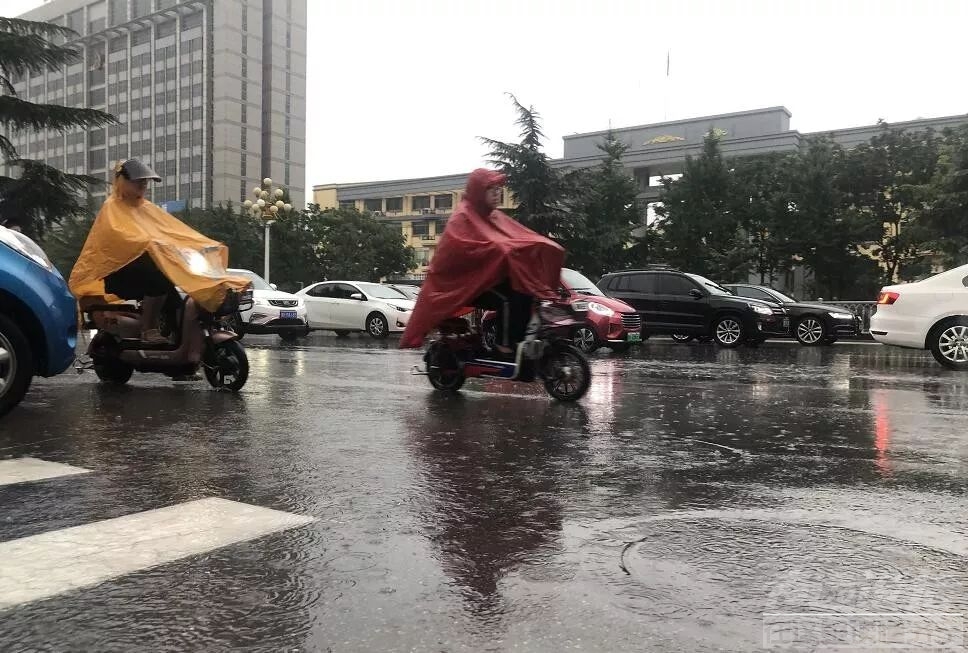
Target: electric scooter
(459,352)
(197,338)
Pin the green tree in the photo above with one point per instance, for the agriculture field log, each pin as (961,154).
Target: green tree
(886,183)
(761,205)
(603,212)
(821,234)
(41,195)
(698,229)
(357,246)
(536,186)
(946,217)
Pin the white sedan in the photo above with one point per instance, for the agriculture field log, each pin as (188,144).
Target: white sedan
(929,314)
(345,306)
(273,311)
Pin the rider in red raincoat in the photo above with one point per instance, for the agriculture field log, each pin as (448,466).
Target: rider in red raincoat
(486,259)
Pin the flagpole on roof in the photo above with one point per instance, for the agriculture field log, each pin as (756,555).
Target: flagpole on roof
(668,57)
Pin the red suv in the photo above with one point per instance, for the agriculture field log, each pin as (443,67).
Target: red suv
(609,322)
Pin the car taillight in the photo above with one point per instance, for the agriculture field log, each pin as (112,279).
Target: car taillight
(887,298)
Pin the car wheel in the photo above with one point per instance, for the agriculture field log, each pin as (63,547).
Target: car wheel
(585,339)
(682,337)
(810,331)
(949,344)
(293,336)
(16,365)
(377,326)
(729,332)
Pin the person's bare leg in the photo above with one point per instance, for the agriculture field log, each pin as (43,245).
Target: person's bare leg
(151,318)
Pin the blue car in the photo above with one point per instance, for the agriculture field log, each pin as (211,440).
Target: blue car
(38,318)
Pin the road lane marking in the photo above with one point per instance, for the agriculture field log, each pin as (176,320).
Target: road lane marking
(45,565)
(24,470)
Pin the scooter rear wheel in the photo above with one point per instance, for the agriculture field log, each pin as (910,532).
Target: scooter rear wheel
(226,366)
(443,370)
(113,372)
(566,373)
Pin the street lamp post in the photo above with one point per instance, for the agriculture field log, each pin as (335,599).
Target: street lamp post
(268,205)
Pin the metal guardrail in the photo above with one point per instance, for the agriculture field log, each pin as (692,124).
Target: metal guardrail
(863,310)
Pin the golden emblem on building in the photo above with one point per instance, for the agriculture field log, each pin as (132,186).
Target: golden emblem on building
(664,139)
(716,132)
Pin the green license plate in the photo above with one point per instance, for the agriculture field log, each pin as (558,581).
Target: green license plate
(633,337)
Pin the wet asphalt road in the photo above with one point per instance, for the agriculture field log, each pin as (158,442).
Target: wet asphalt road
(690,492)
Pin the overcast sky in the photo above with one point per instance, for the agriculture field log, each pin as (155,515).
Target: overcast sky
(403,88)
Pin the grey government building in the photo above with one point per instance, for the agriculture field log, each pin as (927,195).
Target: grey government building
(212,93)
(420,206)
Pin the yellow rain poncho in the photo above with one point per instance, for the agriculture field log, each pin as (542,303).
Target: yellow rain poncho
(124,230)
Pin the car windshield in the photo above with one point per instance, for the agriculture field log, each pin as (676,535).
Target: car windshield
(378,291)
(711,286)
(579,283)
(258,283)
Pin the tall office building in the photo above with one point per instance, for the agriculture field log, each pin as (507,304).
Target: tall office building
(211,93)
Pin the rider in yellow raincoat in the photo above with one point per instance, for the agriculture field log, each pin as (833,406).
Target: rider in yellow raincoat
(137,251)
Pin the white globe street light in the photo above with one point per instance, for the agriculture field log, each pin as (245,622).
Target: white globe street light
(269,205)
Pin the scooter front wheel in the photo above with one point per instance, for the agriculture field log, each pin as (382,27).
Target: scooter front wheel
(226,365)
(566,373)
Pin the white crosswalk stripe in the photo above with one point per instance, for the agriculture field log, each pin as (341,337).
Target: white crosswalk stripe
(45,565)
(24,470)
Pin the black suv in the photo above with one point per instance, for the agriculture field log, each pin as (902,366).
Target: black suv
(811,323)
(679,303)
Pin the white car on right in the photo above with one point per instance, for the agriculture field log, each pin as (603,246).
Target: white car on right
(928,314)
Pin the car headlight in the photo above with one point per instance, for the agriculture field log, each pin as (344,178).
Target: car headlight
(26,247)
(841,316)
(398,308)
(762,310)
(600,309)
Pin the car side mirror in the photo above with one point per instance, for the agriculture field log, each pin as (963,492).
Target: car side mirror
(357,296)
(695,293)
(274,286)
(564,294)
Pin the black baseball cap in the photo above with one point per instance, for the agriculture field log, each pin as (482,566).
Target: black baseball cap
(134,170)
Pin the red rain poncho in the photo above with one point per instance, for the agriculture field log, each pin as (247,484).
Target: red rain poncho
(479,249)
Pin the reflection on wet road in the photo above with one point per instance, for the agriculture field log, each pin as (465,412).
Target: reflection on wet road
(690,498)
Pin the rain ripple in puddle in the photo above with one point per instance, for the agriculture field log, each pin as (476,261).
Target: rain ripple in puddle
(713,570)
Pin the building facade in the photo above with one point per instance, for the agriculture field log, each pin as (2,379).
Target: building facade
(211,93)
(654,151)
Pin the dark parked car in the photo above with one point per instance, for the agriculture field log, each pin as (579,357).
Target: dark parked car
(683,304)
(810,323)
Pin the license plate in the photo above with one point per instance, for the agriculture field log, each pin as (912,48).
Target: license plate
(287,315)
(633,337)
(786,323)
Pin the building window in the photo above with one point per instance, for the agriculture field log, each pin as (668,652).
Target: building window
(245,114)
(421,228)
(166,28)
(245,66)
(96,159)
(394,204)
(140,8)
(245,170)
(373,205)
(96,138)
(420,202)
(444,202)
(347,204)
(440,226)
(75,21)
(193,20)
(96,97)
(245,132)
(286,175)
(119,11)
(245,23)
(140,37)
